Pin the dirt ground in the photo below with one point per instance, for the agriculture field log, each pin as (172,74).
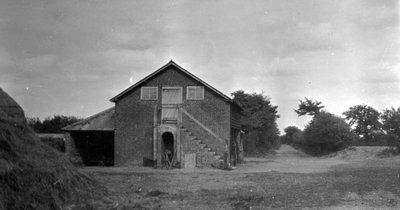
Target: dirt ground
(351,179)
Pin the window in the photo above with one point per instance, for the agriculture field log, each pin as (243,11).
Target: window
(195,93)
(149,93)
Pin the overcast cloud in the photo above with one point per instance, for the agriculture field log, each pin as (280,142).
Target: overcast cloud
(71,57)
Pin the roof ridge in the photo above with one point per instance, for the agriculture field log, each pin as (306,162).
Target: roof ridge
(171,62)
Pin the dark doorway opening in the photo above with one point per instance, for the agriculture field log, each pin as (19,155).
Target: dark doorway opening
(168,146)
(95,147)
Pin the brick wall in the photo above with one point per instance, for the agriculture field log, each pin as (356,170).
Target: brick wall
(134,118)
(134,129)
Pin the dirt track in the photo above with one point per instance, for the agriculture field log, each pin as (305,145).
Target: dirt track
(289,180)
(289,160)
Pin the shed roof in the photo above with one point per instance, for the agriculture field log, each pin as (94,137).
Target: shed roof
(103,121)
(163,68)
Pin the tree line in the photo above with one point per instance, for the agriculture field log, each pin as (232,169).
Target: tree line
(52,124)
(361,125)
(325,133)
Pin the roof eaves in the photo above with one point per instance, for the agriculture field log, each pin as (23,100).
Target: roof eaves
(172,63)
(202,82)
(115,99)
(68,127)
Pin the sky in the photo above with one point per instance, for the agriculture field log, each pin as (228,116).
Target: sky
(71,57)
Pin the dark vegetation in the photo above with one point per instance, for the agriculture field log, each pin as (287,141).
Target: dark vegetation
(309,107)
(292,135)
(258,122)
(365,120)
(327,133)
(32,174)
(51,124)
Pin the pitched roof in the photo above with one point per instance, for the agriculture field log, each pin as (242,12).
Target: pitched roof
(172,63)
(103,121)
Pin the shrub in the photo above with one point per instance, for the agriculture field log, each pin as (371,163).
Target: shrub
(298,140)
(326,133)
(257,142)
(292,133)
(375,139)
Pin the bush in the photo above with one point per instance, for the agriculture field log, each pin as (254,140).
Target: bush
(292,133)
(326,133)
(257,142)
(377,139)
(298,140)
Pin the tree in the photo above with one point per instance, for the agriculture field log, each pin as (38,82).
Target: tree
(391,124)
(51,125)
(365,119)
(310,107)
(292,134)
(391,121)
(326,133)
(257,109)
(35,124)
(258,121)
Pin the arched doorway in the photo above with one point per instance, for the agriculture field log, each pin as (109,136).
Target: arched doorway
(167,148)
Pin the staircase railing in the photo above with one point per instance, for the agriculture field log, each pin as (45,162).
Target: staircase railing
(204,127)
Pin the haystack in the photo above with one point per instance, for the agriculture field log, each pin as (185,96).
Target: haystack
(32,174)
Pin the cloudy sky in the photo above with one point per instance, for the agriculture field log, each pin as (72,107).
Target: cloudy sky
(71,57)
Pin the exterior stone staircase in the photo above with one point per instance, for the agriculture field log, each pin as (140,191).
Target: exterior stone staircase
(205,157)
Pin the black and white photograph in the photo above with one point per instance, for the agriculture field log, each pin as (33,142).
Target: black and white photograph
(214,104)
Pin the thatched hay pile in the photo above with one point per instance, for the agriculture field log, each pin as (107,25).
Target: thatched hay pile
(32,174)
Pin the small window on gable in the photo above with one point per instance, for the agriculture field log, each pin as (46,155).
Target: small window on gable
(195,93)
(149,93)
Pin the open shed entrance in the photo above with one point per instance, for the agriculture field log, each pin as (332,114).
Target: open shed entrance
(95,147)
(167,147)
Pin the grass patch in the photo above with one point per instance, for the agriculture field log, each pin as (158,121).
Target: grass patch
(325,189)
(390,152)
(370,186)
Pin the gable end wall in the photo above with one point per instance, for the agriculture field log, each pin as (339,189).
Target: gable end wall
(134,117)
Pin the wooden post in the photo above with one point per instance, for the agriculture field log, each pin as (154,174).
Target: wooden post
(228,145)
(178,136)
(240,147)
(155,134)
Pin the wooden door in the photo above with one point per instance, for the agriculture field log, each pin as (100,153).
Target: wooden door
(171,98)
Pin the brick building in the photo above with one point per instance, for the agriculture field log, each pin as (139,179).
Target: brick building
(171,116)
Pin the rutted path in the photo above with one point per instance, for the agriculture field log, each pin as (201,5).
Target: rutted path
(374,183)
(289,160)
